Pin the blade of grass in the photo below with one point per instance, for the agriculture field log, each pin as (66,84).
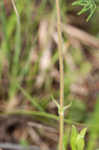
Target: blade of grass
(32,100)
(94,130)
(15,66)
(5,45)
(41,114)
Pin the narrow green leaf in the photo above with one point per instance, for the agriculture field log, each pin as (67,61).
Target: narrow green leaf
(73,138)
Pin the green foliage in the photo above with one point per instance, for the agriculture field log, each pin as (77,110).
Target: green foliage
(17,44)
(88,5)
(66,138)
(94,130)
(78,107)
(77,139)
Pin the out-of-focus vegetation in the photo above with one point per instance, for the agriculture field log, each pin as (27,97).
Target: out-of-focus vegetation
(88,5)
(29,70)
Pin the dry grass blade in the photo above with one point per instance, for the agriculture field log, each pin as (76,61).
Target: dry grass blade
(84,37)
(17,146)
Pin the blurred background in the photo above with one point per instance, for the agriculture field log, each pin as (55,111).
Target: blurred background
(29,73)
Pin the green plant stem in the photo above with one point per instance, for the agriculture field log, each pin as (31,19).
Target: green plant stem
(36,113)
(61,113)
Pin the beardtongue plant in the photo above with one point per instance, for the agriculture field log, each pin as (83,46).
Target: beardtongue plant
(77,139)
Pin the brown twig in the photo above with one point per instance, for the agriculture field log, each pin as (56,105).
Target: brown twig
(81,35)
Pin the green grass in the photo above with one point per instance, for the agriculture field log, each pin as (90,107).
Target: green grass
(18,40)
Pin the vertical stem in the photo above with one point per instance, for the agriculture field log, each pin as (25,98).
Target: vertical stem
(60,48)
(15,66)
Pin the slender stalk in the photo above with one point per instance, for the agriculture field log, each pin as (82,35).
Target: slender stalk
(60,48)
(15,9)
